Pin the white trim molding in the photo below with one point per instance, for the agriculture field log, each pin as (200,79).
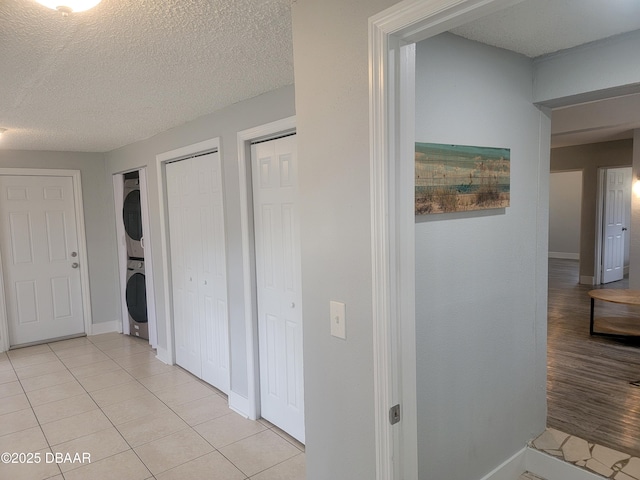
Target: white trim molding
(82,247)
(250,406)
(564,255)
(587,280)
(391,124)
(164,356)
(540,464)
(118,191)
(510,469)
(107,327)
(168,355)
(552,468)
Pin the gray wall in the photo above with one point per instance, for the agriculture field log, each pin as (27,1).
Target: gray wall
(332,103)
(589,158)
(565,199)
(225,124)
(98,217)
(591,71)
(479,277)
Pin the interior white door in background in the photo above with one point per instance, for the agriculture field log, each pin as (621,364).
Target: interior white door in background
(198,267)
(617,200)
(39,245)
(278,274)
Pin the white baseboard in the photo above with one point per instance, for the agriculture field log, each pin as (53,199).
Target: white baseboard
(510,469)
(552,468)
(162,354)
(541,464)
(587,280)
(105,327)
(241,406)
(565,255)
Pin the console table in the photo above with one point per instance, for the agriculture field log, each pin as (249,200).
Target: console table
(622,296)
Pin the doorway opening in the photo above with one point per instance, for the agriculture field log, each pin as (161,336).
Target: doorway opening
(392,35)
(135,258)
(571,352)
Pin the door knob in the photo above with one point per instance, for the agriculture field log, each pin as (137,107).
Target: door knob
(74,254)
(75,265)
(624,229)
(293,305)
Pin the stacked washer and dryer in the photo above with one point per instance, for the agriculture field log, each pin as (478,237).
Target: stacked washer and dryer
(136,291)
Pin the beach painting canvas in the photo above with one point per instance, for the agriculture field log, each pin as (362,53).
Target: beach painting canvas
(459,178)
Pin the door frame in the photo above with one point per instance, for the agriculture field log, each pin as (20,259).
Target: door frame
(212,145)
(5,342)
(250,406)
(392,37)
(118,193)
(600,206)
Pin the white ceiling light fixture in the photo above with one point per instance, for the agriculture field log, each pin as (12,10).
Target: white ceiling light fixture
(69,6)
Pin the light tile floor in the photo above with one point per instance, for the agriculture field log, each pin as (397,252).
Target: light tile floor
(109,397)
(596,458)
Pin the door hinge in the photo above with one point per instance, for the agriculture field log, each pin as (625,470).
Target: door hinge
(394,414)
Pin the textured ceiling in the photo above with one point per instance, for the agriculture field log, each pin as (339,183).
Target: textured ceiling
(129,69)
(539,27)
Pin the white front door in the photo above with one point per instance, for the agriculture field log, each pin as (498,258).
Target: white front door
(198,265)
(278,274)
(39,246)
(617,200)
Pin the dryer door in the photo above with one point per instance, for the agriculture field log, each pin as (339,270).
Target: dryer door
(132,218)
(137,298)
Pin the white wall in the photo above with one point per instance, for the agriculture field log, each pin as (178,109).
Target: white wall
(634,249)
(98,217)
(480,277)
(224,124)
(565,201)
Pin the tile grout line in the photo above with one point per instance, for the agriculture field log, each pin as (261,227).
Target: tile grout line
(164,436)
(109,419)
(49,446)
(92,399)
(267,425)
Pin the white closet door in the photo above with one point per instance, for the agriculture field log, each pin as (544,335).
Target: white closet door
(278,274)
(198,265)
(185,319)
(39,244)
(212,272)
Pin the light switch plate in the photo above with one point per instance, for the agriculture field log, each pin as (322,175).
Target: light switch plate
(338,315)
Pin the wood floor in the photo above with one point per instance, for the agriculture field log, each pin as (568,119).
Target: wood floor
(589,392)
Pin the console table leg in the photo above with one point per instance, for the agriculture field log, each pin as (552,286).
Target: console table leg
(591,319)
